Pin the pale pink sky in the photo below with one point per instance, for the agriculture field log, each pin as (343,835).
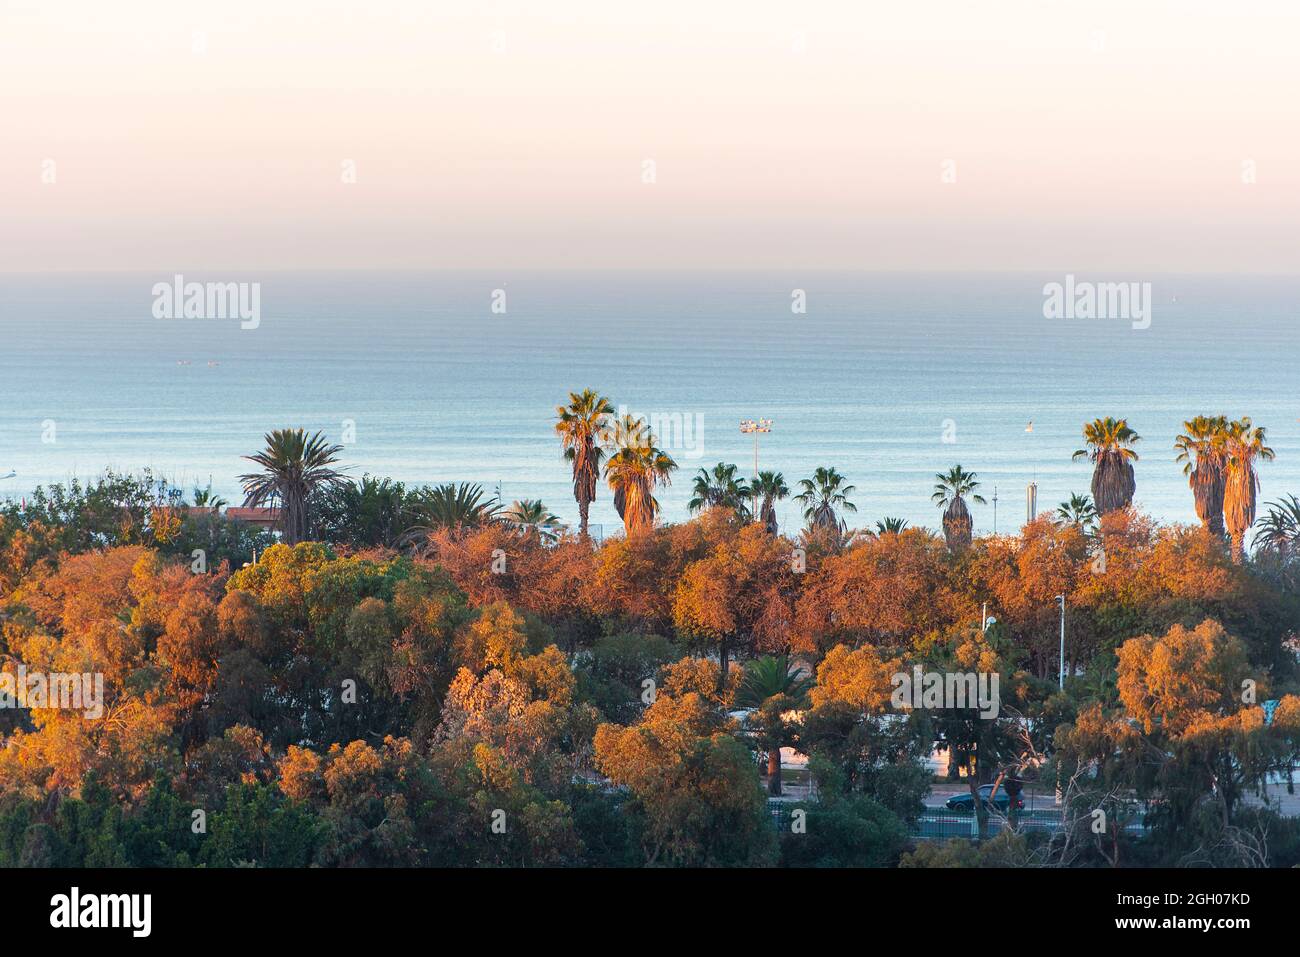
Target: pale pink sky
(1085,135)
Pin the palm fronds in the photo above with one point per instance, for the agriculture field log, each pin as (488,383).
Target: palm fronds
(950,491)
(719,488)
(634,469)
(1279,528)
(1079,511)
(455,506)
(1202,448)
(771,488)
(821,496)
(531,517)
(767,677)
(1109,446)
(294,465)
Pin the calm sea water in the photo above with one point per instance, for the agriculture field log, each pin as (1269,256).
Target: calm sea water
(440,388)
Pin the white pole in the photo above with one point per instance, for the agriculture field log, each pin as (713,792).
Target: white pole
(1061,599)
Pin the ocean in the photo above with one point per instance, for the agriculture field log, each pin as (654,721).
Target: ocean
(436,377)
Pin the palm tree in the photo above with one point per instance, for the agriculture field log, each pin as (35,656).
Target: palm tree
(821,495)
(294,465)
(1279,530)
(531,517)
(772,687)
(1079,510)
(951,490)
(771,488)
(720,487)
(1108,445)
(1202,450)
(633,471)
(206,498)
(452,506)
(888,526)
(1244,443)
(580,425)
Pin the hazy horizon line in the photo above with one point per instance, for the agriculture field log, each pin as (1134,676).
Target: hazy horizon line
(650,270)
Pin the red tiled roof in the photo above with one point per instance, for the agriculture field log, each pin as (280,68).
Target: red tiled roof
(253,514)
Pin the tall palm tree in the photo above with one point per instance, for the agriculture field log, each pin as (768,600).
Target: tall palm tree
(1202,450)
(771,488)
(579,426)
(772,687)
(821,495)
(294,465)
(1109,446)
(1279,530)
(720,487)
(951,490)
(1244,443)
(531,517)
(1079,510)
(634,470)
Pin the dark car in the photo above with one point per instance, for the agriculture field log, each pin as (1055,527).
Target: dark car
(965,803)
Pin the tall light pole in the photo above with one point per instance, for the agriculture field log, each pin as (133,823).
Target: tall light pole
(1061,601)
(756,427)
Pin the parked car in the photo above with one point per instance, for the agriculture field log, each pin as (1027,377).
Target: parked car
(966,804)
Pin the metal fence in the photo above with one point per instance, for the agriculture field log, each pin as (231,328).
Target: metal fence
(938,824)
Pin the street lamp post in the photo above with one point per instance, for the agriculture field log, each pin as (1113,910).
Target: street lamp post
(756,427)
(1061,601)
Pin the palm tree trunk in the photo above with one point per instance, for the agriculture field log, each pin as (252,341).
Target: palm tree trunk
(957,524)
(774,771)
(289,523)
(1208,487)
(583,505)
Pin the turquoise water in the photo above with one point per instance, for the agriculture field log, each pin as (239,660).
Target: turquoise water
(440,388)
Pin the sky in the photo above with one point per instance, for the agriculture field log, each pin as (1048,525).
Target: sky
(585,134)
